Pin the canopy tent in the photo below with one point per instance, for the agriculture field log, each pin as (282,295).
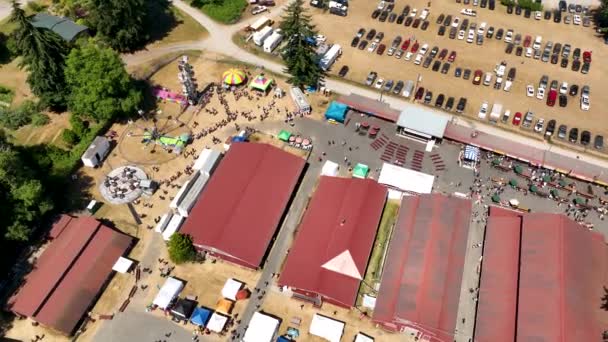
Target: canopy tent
(360,171)
(327,328)
(224,306)
(234,77)
(360,337)
(122,265)
(554,192)
(330,168)
(512,182)
(262,328)
(405,179)
(496,162)
(533,188)
(217,322)
(231,288)
(183,308)
(518,169)
(471,153)
(261,82)
(283,339)
(171,288)
(562,182)
(284,135)
(579,201)
(200,316)
(243,294)
(336,111)
(495,198)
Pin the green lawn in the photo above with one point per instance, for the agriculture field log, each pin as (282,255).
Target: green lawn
(374,267)
(6,96)
(226,11)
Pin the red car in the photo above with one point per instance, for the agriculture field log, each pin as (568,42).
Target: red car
(517,119)
(551,98)
(419,93)
(527,41)
(452,57)
(405,45)
(587,56)
(415,47)
(477,77)
(443,54)
(381,49)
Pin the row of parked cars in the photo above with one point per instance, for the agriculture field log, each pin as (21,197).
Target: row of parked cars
(556,91)
(408,16)
(490,4)
(578,14)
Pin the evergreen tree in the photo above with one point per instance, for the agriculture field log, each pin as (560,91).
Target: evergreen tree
(43,55)
(180,248)
(120,23)
(300,57)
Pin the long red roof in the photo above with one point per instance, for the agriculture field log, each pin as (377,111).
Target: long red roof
(241,207)
(423,269)
(343,216)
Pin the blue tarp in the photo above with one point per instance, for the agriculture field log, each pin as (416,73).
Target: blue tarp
(200,316)
(283,339)
(336,111)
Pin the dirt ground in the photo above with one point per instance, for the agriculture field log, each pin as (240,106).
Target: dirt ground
(529,71)
(13,77)
(47,134)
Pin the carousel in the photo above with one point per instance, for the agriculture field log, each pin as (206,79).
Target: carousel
(233,77)
(123,185)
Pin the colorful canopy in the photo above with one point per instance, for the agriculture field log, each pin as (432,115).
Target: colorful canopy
(200,316)
(284,135)
(360,171)
(261,82)
(234,77)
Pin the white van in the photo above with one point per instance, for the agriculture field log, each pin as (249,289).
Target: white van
(418,59)
(537,42)
(408,88)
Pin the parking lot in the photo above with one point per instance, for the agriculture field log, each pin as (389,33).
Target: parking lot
(341,30)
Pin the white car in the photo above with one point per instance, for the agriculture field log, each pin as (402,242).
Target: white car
(482,28)
(424,14)
(509,36)
(424,49)
(471,36)
(461,34)
(564,88)
(456,22)
(372,47)
(539,125)
(529,52)
(540,93)
(413,13)
(576,20)
(381,5)
(483,111)
(538,15)
(537,42)
(585,102)
(469,12)
(408,56)
(530,90)
(418,59)
(508,85)
(379,83)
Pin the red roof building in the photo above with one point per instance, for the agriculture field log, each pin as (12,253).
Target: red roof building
(552,285)
(70,273)
(329,256)
(243,203)
(422,274)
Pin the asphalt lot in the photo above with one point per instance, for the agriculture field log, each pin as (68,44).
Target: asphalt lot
(341,30)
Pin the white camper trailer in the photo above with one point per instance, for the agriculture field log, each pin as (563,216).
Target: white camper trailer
(330,56)
(96,152)
(207,161)
(273,41)
(173,226)
(260,36)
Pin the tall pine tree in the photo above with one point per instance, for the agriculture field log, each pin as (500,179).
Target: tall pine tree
(300,57)
(120,23)
(43,55)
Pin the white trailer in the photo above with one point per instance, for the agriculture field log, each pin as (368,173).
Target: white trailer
(273,41)
(260,23)
(173,226)
(96,152)
(207,161)
(182,192)
(192,196)
(330,57)
(496,112)
(260,36)
(164,221)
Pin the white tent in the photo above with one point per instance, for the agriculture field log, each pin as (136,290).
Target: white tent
(406,179)
(363,338)
(171,289)
(262,328)
(162,224)
(189,200)
(217,322)
(330,168)
(173,226)
(180,194)
(231,288)
(327,328)
(122,265)
(207,161)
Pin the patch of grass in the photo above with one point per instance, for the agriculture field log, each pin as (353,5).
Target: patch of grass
(225,11)
(186,29)
(240,40)
(6,96)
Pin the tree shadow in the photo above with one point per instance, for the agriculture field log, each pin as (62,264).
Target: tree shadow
(5,54)
(604,305)
(160,21)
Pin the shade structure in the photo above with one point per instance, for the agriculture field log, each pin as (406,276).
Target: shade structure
(200,316)
(217,322)
(231,288)
(579,201)
(284,135)
(261,82)
(122,265)
(168,292)
(513,182)
(183,308)
(495,198)
(336,111)
(518,169)
(360,171)
(533,188)
(471,153)
(234,77)
(327,328)
(262,328)
(224,306)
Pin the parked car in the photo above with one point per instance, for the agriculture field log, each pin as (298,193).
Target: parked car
(440,19)
(576,65)
(428,97)
(443,54)
(462,103)
(530,90)
(453,32)
(354,42)
(360,33)
(483,111)
(547,15)
(519,51)
(467,74)
(562,131)
(517,119)
(550,128)
(585,68)
(405,45)
(408,21)
(388,86)
(446,68)
(528,119)
(400,19)
(381,49)
(490,32)
(425,25)
(477,77)
(540,93)
(371,34)
(379,83)
(505,116)
(419,93)
(452,57)
(573,90)
(487,80)
(436,66)
(551,98)
(416,23)
(458,72)
(527,41)
(383,16)
(392,17)
(439,101)
(449,104)
(564,63)
(499,34)
(371,77)
(585,138)
(509,48)
(362,44)
(540,123)
(376,13)
(427,62)
(573,135)
(563,100)
(343,71)
(598,142)
(434,51)
(441,30)
(554,58)
(398,87)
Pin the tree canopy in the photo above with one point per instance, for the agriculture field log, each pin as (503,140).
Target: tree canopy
(99,86)
(180,248)
(120,23)
(602,16)
(43,55)
(300,57)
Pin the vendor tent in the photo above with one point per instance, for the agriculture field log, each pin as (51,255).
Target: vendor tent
(327,328)
(330,168)
(224,306)
(513,182)
(471,153)
(122,265)
(200,316)
(261,82)
(360,171)
(171,289)
(495,198)
(360,337)
(231,288)
(183,308)
(554,192)
(405,179)
(336,111)
(234,76)
(262,328)
(518,169)
(217,322)
(284,135)
(533,188)
(579,201)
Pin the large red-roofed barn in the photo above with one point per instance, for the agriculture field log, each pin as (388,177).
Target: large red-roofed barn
(68,276)
(422,274)
(243,203)
(542,279)
(329,256)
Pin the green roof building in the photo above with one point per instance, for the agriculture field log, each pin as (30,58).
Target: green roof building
(64,27)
